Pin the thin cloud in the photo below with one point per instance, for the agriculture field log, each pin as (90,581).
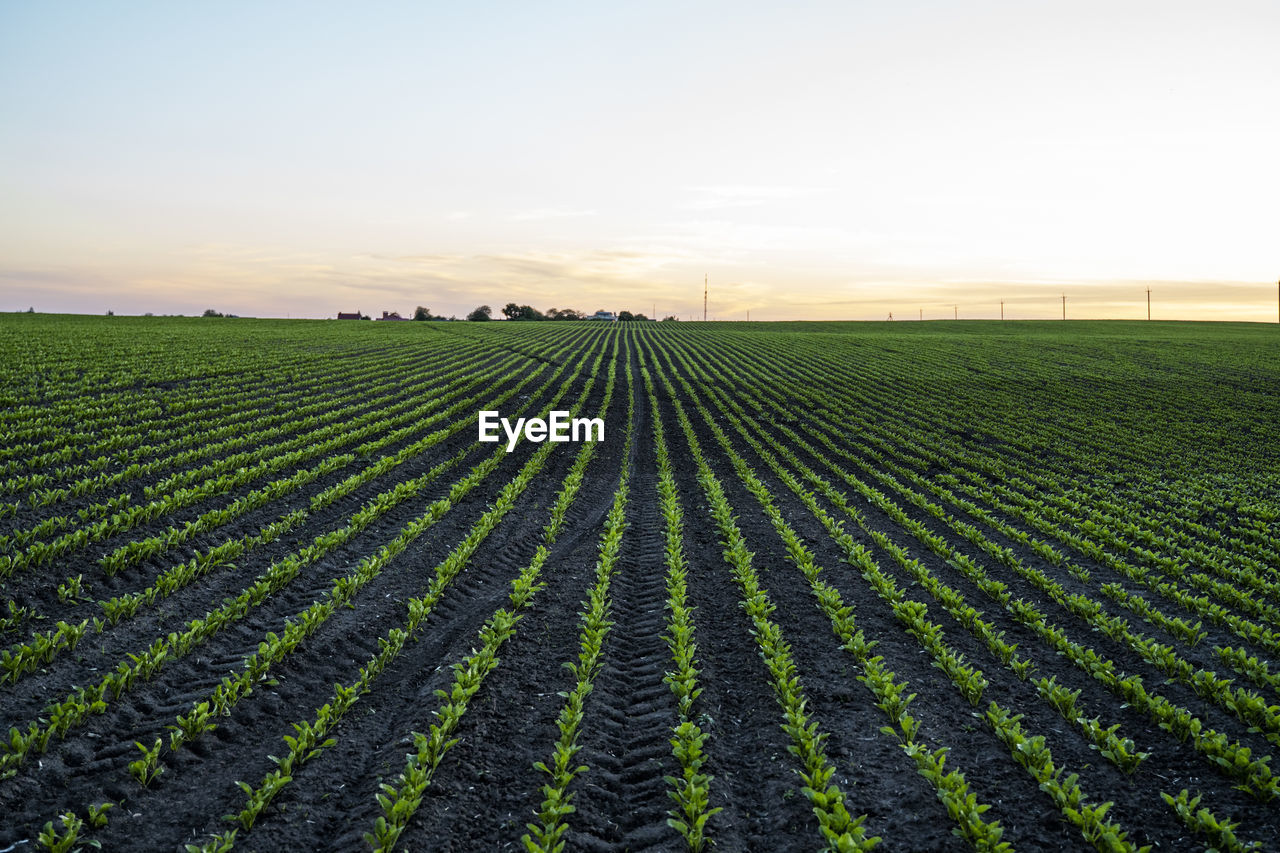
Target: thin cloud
(720,197)
(541,213)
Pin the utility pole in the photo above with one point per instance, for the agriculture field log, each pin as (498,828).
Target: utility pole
(922,315)
(704,297)
(957,311)
(1064,306)
(1148,303)
(1001,309)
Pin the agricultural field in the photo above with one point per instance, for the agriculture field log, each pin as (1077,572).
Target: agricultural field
(910,586)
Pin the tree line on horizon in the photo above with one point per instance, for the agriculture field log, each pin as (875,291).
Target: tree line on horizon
(512,311)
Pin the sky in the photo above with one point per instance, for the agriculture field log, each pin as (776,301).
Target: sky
(841,160)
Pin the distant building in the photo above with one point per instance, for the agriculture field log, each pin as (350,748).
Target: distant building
(604,315)
(344,316)
(391,315)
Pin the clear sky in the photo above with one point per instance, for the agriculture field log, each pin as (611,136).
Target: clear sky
(816,160)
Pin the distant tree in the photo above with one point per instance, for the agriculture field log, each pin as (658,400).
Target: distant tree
(422,313)
(670,318)
(522,312)
(563,314)
(208,312)
(625,316)
(110,313)
(364,316)
(31,310)
(638,317)
(483,312)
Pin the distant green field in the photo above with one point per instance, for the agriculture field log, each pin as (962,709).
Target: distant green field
(940,585)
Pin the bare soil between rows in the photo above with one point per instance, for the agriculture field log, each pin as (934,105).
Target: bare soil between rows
(487,789)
